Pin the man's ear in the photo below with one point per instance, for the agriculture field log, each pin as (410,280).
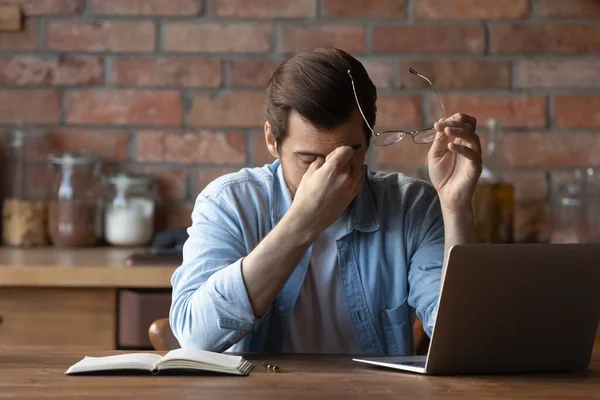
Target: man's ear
(270,140)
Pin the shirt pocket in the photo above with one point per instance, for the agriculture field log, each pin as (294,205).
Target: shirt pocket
(397,328)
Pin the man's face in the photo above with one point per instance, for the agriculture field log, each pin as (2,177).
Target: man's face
(305,143)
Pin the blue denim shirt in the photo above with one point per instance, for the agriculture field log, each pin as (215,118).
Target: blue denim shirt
(389,258)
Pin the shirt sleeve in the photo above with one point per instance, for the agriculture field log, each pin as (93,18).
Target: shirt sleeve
(210,308)
(425,267)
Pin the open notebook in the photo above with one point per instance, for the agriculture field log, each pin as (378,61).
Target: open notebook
(184,360)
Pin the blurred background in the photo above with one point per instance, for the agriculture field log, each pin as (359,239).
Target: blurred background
(174,88)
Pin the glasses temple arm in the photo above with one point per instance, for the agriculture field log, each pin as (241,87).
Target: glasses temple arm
(412,71)
(358,103)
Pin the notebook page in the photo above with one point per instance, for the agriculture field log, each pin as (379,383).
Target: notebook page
(143,361)
(224,361)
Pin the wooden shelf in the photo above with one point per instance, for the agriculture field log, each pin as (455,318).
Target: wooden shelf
(98,267)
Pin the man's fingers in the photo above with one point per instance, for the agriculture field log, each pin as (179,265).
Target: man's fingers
(467,135)
(340,156)
(464,118)
(315,165)
(466,152)
(441,125)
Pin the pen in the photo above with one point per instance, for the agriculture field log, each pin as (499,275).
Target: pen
(270,367)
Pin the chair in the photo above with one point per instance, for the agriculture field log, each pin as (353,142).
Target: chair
(162,337)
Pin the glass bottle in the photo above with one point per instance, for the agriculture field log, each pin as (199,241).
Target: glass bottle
(76,205)
(494,199)
(130,211)
(24,209)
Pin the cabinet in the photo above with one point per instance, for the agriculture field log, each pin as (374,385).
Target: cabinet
(58,299)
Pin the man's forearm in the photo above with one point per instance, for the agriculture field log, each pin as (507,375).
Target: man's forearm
(267,268)
(459,228)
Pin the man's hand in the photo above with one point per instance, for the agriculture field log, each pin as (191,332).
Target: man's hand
(326,190)
(455,162)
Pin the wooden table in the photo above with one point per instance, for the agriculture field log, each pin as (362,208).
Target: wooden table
(66,298)
(41,374)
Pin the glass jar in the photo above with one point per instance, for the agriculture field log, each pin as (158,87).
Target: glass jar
(130,212)
(24,209)
(575,207)
(75,207)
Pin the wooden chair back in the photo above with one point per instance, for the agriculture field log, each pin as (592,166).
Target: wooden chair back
(161,336)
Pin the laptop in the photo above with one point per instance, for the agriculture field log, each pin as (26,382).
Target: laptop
(512,308)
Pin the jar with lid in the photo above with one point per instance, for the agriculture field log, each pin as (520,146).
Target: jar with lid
(76,205)
(24,209)
(575,204)
(130,212)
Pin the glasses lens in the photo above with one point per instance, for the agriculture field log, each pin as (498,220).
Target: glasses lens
(387,138)
(427,136)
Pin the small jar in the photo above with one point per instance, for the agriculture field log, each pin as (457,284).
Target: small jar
(76,206)
(24,208)
(129,219)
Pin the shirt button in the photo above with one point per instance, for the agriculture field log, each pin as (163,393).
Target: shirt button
(281,308)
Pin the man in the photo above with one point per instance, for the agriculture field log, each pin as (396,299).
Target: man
(315,252)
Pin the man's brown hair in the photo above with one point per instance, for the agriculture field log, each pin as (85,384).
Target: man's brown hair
(316,84)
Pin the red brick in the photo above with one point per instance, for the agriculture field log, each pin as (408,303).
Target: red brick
(457,74)
(405,153)
(557,73)
(36,106)
(62,70)
(577,111)
(251,73)
(428,39)
(191,147)
(471,9)
(172,214)
(25,39)
(47,7)
(133,71)
(569,9)
(261,152)
(265,8)
(380,71)
(365,8)
(228,109)
(543,149)
(147,7)
(545,38)
(241,37)
(510,110)
(110,145)
(115,36)
(351,38)
(143,107)
(398,112)
(204,176)
(171,182)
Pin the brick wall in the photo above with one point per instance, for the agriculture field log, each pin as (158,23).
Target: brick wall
(174,87)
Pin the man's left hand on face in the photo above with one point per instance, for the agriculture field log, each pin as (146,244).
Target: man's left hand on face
(455,162)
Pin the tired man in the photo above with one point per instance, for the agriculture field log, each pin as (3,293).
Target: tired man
(316,252)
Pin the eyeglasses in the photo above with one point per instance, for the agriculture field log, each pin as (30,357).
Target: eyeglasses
(386,138)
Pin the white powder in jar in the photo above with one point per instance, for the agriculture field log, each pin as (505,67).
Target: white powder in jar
(130,223)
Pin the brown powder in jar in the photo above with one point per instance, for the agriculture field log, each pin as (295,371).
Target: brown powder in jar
(24,223)
(73,223)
